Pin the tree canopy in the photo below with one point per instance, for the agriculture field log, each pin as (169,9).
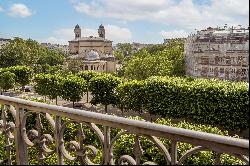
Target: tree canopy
(158,60)
(30,53)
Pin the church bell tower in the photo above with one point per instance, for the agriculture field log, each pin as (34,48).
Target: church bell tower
(101,31)
(77,32)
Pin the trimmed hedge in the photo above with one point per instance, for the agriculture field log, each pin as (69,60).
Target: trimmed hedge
(102,88)
(219,103)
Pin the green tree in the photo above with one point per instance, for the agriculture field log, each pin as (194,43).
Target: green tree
(119,55)
(74,65)
(87,76)
(144,64)
(124,48)
(29,53)
(13,53)
(41,84)
(73,88)
(131,95)
(51,58)
(7,81)
(103,89)
(23,74)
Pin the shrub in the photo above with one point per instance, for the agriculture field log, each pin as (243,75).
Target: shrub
(124,145)
(73,88)
(23,74)
(131,95)
(7,81)
(214,102)
(87,76)
(103,89)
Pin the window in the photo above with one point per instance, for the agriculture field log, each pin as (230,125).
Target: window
(86,67)
(221,70)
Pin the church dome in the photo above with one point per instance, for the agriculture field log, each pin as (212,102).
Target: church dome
(92,55)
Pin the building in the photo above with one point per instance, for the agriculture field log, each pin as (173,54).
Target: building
(3,42)
(95,53)
(63,48)
(82,45)
(221,53)
(166,41)
(137,46)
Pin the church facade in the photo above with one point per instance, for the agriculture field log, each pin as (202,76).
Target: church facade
(95,53)
(82,45)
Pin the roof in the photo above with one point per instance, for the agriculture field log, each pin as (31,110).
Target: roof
(91,38)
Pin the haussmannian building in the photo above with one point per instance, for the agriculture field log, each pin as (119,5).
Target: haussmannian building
(218,53)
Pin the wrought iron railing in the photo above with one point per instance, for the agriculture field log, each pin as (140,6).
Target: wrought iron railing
(18,138)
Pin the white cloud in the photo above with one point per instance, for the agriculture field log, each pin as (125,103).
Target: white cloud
(183,13)
(19,10)
(174,34)
(118,34)
(113,32)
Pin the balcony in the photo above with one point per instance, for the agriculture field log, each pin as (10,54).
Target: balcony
(16,133)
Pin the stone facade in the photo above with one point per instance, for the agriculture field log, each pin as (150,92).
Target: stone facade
(218,53)
(95,53)
(82,45)
(63,48)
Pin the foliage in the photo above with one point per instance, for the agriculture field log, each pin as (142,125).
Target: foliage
(7,80)
(48,85)
(51,58)
(215,102)
(73,88)
(29,53)
(74,65)
(103,89)
(119,55)
(87,76)
(131,95)
(42,81)
(158,60)
(23,74)
(124,48)
(124,145)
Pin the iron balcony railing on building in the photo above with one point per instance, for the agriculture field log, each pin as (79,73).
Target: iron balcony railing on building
(15,131)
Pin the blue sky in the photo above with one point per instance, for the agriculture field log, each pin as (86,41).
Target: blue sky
(145,21)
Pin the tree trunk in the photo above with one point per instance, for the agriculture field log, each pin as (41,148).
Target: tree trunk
(106,108)
(73,104)
(87,96)
(56,100)
(122,111)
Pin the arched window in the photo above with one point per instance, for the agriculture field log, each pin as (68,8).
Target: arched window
(86,67)
(103,67)
(91,67)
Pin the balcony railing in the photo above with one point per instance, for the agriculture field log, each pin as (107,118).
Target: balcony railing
(16,133)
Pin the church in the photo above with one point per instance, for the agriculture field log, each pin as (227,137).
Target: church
(95,53)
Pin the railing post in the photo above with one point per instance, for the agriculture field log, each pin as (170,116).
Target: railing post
(106,152)
(21,147)
(173,152)
(58,140)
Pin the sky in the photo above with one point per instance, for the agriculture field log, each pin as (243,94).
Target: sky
(144,21)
